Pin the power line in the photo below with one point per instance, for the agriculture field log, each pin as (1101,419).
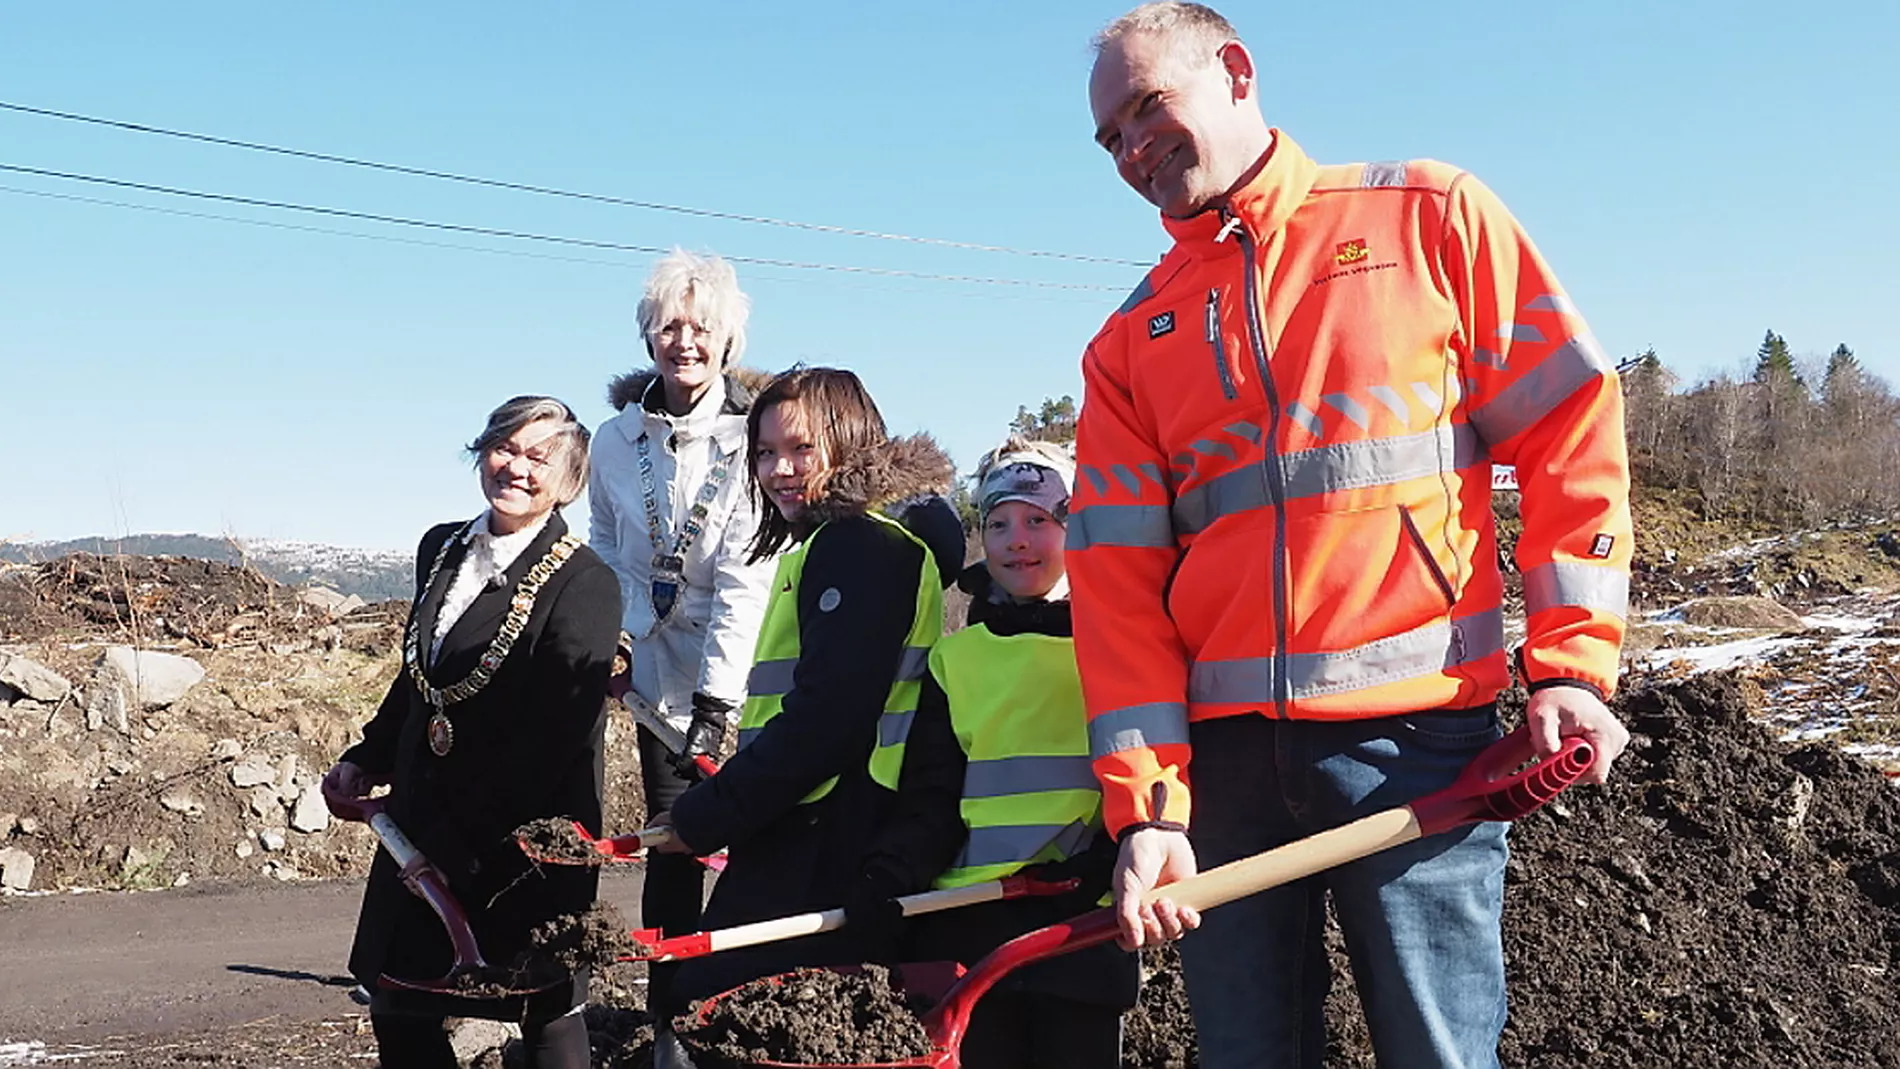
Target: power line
(624,265)
(602,198)
(520,235)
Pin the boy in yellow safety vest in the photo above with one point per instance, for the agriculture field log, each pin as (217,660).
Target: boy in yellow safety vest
(996,780)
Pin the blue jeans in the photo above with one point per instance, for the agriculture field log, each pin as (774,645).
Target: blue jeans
(1421,920)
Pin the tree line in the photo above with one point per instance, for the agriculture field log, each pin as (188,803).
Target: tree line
(1801,441)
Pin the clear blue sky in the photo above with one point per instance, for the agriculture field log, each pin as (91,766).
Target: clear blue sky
(1697,172)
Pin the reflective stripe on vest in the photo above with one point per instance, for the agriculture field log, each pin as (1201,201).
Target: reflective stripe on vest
(1029,794)
(775,660)
(1421,651)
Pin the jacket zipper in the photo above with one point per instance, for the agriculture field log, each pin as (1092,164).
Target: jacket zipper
(1275,478)
(1219,345)
(1425,551)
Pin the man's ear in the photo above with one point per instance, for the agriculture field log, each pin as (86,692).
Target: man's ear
(1238,63)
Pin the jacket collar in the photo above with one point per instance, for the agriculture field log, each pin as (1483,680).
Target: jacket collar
(1262,205)
(481,616)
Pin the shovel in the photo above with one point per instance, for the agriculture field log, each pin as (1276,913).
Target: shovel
(653,948)
(1488,789)
(644,714)
(470,975)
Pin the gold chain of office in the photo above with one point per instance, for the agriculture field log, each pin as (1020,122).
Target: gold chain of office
(518,609)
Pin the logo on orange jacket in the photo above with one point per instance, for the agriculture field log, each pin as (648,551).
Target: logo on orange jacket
(1351,252)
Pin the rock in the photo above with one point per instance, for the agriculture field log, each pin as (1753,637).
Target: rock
(137,857)
(476,1036)
(265,804)
(329,602)
(244,849)
(179,800)
(156,679)
(8,821)
(16,869)
(29,825)
(310,815)
(106,702)
(227,750)
(252,772)
(272,839)
(183,879)
(287,778)
(32,679)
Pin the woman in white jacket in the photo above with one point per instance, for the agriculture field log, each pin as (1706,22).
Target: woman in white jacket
(672,517)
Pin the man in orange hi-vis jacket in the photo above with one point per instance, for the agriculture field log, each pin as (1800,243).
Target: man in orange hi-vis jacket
(1288,609)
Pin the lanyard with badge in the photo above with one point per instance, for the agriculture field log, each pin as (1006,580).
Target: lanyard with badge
(669,569)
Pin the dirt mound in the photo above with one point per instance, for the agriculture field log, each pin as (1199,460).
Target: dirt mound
(812,1017)
(215,785)
(1750,612)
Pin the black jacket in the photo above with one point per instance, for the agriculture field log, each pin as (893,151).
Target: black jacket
(528,745)
(927,832)
(784,857)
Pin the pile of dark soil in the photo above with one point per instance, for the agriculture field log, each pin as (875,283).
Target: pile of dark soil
(814,1016)
(1725,900)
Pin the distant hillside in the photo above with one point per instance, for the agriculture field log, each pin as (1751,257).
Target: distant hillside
(371,574)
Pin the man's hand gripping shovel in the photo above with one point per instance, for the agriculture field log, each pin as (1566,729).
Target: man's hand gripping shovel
(1492,787)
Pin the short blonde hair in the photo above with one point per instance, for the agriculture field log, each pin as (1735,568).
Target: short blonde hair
(1195,24)
(708,286)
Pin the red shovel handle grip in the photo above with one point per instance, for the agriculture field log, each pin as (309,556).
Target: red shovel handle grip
(1493,787)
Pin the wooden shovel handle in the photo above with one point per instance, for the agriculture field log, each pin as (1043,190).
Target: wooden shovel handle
(1296,860)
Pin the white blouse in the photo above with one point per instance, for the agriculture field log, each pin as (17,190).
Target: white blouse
(488,558)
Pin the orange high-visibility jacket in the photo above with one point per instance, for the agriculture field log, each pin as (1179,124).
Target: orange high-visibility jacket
(1283,495)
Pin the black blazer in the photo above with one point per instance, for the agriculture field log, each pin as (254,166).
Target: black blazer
(529,745)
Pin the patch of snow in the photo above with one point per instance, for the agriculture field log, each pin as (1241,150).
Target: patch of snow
(1717,657)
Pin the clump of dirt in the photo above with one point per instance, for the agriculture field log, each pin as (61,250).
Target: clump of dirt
(813,1016)
(554,840)
(1159,1032)
(578,940)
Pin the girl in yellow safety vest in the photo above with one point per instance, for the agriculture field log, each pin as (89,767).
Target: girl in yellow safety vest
(996,781)
(855,606)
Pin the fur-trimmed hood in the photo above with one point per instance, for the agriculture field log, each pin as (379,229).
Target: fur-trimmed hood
(742,385)
(901,470)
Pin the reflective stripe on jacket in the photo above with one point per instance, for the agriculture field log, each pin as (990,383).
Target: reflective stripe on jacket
(777,657)
(1029,794)
(1283,498)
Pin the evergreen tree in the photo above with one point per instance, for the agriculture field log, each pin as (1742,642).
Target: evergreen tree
(1053,421)
(1774,364)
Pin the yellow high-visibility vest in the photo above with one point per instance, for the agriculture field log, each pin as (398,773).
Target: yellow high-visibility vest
(1029,793)
(776,655)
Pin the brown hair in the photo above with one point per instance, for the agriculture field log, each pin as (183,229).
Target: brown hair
(842,419)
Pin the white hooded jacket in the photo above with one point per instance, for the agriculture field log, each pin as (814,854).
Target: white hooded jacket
(706,643)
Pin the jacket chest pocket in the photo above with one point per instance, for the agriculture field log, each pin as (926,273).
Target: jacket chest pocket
(1217,344)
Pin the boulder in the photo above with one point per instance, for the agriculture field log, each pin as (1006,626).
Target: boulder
(287,778)
(155,679)
(106,703)
(265,804)
(310,814)
(32,680)
(475,1036)
(253,771)
(179,800)
(329,602)
(272,839)
(16,869)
